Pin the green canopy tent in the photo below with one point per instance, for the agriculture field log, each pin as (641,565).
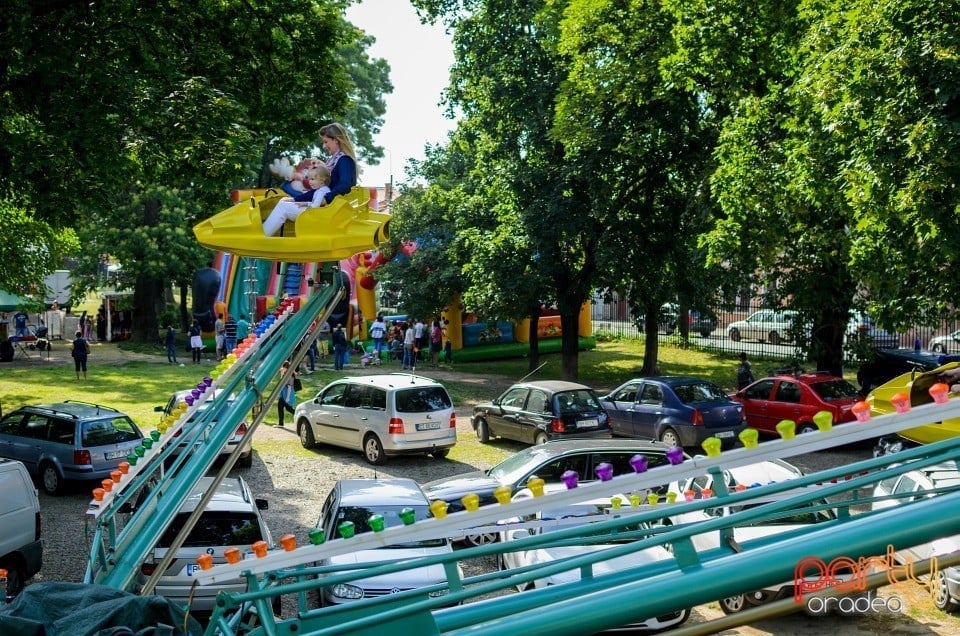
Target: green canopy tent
(12,302)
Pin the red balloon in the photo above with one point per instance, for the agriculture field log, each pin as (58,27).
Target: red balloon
(368,282)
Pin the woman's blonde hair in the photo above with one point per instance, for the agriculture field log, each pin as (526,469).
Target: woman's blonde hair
(338,132)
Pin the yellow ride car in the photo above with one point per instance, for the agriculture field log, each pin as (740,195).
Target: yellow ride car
(917,386)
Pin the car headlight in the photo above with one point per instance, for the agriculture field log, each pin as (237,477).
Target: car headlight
(343,590)
(438,593)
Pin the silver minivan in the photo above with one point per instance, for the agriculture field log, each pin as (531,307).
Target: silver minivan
(382,415)
(21,550)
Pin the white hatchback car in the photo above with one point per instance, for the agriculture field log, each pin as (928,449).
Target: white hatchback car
(356,501)
(246,455)
(382,415)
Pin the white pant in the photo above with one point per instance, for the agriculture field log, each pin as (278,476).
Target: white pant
(283,211)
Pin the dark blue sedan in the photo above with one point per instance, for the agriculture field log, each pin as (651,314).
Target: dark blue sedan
(677,410)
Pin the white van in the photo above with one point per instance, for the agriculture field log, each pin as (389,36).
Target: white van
(21,551)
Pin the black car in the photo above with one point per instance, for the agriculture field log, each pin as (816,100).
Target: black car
(886,364)
(549,462)
(537,412)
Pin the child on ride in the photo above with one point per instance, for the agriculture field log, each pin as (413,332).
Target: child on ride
(289,208)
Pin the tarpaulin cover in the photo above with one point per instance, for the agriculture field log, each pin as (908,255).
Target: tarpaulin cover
(76,609)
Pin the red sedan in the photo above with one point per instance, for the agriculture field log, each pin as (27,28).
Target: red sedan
(787,397)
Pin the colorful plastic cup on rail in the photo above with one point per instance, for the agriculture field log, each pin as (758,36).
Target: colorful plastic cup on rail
(604,471)
(132,459)
(706,493)
(408,516)
(470,501)
(675,455)
(147,442)
(189,399)
(502,494)
(124,467)
(438,508)
(616,502)
(939,392)
(98,494)
(653,499)
(823,420)
(232,555)
(346,529)
(208,380)
(260,549)
(318,536)
(740,487)
(712,445)
(861,411)
(570,479)
(688,495)
(749,437)
(901,402)
(787,429)
(116,476)
(640,463)
(288,542)
(106,484)
(155,435)
(205,561)
(376,523)
(139,450)
(634,500)
(671,497)
(195,393)
(535,484)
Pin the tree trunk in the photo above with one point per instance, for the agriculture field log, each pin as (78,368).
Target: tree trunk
(184,314)
(148,292)
(570,354)
(534,338)
(651,346)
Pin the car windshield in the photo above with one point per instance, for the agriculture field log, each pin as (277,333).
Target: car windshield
(578,401)
(360,516)
(699,392)
(835,390)
(215,529)
(515,466)
(422,399)
(114,430)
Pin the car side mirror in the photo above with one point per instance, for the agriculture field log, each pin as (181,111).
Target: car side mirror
(496,401)
(262,504)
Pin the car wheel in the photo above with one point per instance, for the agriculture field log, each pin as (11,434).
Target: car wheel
(705,334)
(669,437)
(485,538)
(773,338)
(440,454)
(540,438)
(15,579)
(733,604)
(734,335)
(483,431)
(806,427)
(941,594)
(373,450)
(305,433)
(937,348)
(245,461)
(50,479)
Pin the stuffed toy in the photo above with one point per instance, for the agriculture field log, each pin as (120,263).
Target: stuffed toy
(295,176)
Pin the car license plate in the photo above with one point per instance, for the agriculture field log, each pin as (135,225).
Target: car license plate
(588,424)
(115,454)
(428,426)
(192,568)
(723,434)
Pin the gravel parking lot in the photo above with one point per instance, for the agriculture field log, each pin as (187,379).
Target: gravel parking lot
(295,484)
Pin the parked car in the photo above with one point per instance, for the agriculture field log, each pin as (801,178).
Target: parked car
(886,364)
(21,549)
(548,461)
(760,473)
(545,555)
(231,519)
(946,344)
(246,455)
(536,412)
(68,441)
(699,322)
(677,410)
(356,500)
(768,401)
(861,326)
(911,485)
(764,325)
(381,415)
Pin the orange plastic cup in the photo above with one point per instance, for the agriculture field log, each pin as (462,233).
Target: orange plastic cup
(939,392)
(124,467)
(232,555)
(107,484)
(205,561)
(115,475)
(260,549)
(98,494)
(289,542)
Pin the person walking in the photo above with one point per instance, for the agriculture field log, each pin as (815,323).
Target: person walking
(219,336)
(230,334)
(436,343)
(744,372)
(171,342)
(196,342)
(378,329)
(80,349)
(339,341)
(288,394)
(409,345)
(243,328)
